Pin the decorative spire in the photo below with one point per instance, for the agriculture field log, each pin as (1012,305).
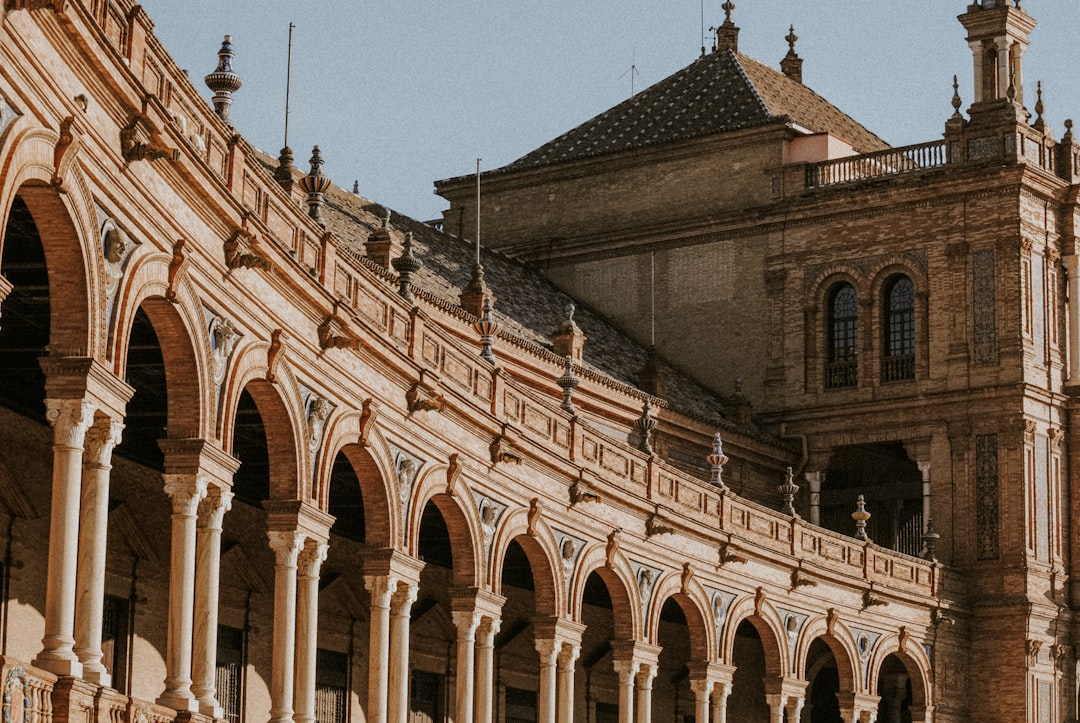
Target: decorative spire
(716,461)
(1039,124)
(860,515)
(486,328)
(956,101)
(406,265)
(930,539)
(356,187)
(568,339)
(380,246)
(223,81)
(476,292)
(645,426)
(314,184)
(283,174)
(568,382)
(791,65)
(727,35)
(788,490)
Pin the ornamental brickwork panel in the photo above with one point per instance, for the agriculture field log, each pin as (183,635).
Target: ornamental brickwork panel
(986,496)
(984,297)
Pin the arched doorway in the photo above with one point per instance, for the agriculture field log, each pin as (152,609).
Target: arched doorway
(673,698)
(747,703)
(895,690)
(823,674)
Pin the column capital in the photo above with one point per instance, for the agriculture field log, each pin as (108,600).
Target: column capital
(70,420)
(479,600)
(560,629)
(85,379)
(381,589)
(388,562)
(852,704)
(199,456)
(305,518)
(1072,264)
(632,650)
(213,507)
(489,628)
(286,546)
(101,438)
(311,558)
(549,650)
(466,622)
(569,654)
(185,491)
(402,600)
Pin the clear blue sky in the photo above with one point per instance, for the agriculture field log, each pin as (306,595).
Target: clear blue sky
(399,93)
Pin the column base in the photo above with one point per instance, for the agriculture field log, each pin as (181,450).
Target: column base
(212,709)
(59,666)
(177,701)
(97,674)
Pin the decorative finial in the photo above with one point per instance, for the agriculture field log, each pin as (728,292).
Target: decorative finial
(788,490)
(727,35)
(406,265)
(356,187)
(568,382)
(568,339)
(315,184)
(716,461)
(791,64)
(1067,138)
(486,328)
(386,219)
(283,174)
(956,101)
(1039,123)
(645,426)
(570,309)
(930,539)
(791,39)
(728,7)
(860,515)
(224,81)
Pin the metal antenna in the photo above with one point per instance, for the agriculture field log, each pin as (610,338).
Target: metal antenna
(703,28)
(633,72)
(288,84)
(652,299)
(478,211)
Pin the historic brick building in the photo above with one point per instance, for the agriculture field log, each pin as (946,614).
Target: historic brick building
(271,451)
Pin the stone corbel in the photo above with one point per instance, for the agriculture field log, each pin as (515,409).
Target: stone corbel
(801,579)
(727,556)
(870,600)
(536,512)
(368,415)
(273,354)
(67,146)
(137,142)
(330,339)
(502,451)
(580,492)
(655,524)
(453,472)
(423,397)
(240,253)
(176,266)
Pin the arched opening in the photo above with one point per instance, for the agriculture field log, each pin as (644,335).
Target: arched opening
(898,330)
(891,484)
(894,687)
(990,75)
(842,369)
(747,703)
(595,674)
(518,672)
(146,419)
(823,674)
(251,483)
(673,698)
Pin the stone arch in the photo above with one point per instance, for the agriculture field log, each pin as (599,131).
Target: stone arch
(541,550)
(381,516)
(894,265)
(841,643)
(184,349)
(462,521)
(770,628)
(821,284)
(65,225)
(621,587)
(915,661)
(693,601)
(283,424)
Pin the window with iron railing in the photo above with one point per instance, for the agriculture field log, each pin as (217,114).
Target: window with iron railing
(898,358)
(229,675)
(842,368)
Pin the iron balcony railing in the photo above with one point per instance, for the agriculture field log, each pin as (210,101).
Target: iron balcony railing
(889,162)
(898,368)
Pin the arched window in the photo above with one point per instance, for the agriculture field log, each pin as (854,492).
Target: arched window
(842,369)
(898,358)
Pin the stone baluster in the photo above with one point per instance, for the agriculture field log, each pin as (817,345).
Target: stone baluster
(286,546)
(309,563)
(70,419)
(100,441)
(207,578)
(185,491)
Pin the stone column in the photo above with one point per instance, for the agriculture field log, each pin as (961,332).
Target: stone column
(70,418)
(309,562)
(400,608)
(814,480)
(794,709)
(978,54)
(100,440)
(777,704)
(1003,45)
(185,491)
(927,513)
(549,657)
(702,688)
(721,691)
(1072,268)
(485,668)
(382,589)
(567,659)
(207,577)
(644,692)
(466,623)
(286,546)
(627,671)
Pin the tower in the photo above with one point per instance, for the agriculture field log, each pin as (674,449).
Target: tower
(998,32)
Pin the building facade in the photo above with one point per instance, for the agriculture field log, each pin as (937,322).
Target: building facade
(272,452)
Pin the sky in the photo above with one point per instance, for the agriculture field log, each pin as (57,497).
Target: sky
(401,93)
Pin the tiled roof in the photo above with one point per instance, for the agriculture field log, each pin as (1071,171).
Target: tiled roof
(720,92)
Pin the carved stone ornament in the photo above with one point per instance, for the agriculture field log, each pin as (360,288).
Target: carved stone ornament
(241,253)
(612,548)
(406,470)
(870,600)
(453,472)
(368,414)
(727,556)
(801,579)
(66,147)
(657,525)
(423,398)
(831,618)
(7,112)
(536,512)
(223,338)
(100,440)
(759,600)
(70,418)
(569,549)
(273,354)
(318,411)
(580,492)
(502,451)
(331,338)
(646,581)
(1032,648)
(687,577)
(58,6)
(115,247)
(138,142)
(176,266)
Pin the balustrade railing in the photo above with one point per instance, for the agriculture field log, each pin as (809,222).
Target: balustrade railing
(889,162)
(898,368)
